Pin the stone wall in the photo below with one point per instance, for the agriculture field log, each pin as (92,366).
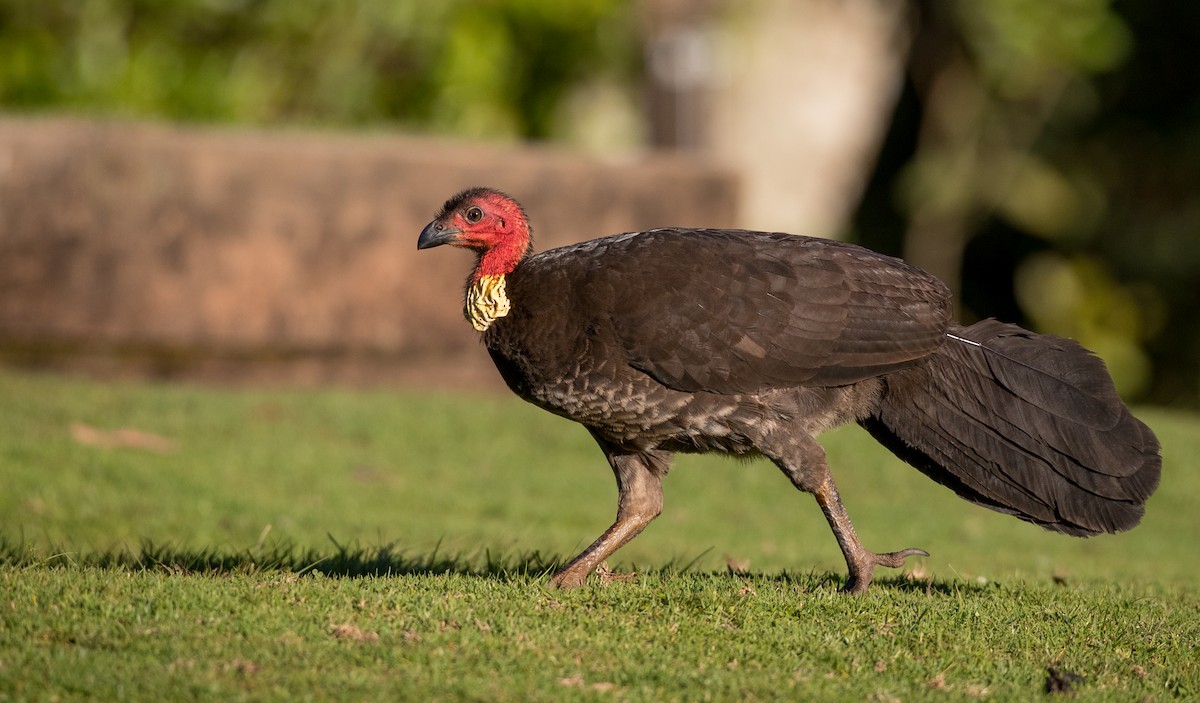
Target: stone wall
(129,248)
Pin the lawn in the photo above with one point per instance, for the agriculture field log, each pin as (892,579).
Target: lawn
(164,542)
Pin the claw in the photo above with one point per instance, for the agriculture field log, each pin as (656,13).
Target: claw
(862,572)
(895,560)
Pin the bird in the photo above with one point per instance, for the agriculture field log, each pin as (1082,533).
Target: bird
(751,344)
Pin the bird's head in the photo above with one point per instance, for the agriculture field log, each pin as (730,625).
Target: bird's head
(486,221)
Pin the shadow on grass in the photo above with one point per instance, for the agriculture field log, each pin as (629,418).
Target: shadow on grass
(354,561)
(345,561)
(900,582)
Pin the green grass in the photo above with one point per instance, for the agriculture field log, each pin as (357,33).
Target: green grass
(336,545)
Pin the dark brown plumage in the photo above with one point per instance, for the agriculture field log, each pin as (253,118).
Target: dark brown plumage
(751,343)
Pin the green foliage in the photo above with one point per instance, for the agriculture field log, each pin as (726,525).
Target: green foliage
(494,69)
(1020,46)
(1051,175)
(411,534)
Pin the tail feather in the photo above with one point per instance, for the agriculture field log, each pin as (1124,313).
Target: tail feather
(1025,424)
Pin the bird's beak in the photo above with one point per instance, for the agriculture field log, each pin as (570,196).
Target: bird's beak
(436,234)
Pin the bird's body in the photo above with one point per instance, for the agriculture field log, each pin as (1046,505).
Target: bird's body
(750,343)
(585,341)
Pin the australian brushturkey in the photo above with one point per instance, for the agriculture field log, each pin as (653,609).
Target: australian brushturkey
(752,343)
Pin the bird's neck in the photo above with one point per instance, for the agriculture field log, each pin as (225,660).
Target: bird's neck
(487,289)
(486,301)
(497,261)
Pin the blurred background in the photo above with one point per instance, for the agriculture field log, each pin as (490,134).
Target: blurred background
(201,187)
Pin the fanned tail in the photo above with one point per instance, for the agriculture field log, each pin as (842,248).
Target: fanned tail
(1025,424)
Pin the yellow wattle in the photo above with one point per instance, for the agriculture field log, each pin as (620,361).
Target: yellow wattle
(487,300)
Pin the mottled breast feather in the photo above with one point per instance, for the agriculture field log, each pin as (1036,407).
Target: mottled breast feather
(729,311)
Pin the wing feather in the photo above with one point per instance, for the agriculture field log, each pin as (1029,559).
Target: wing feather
(730,311)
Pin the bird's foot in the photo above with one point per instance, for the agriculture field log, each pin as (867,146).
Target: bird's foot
(568,578)
(862,569)
(571,577)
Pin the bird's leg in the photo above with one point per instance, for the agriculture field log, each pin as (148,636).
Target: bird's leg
(812,476)
(860,561)
(639,484)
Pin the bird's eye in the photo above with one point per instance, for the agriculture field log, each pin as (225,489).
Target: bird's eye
(474,215)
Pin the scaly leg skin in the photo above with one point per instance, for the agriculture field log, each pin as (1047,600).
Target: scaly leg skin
(860,561)
(624,529)
(639,483)
(803,461)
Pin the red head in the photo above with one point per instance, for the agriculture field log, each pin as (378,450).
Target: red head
(486,221)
